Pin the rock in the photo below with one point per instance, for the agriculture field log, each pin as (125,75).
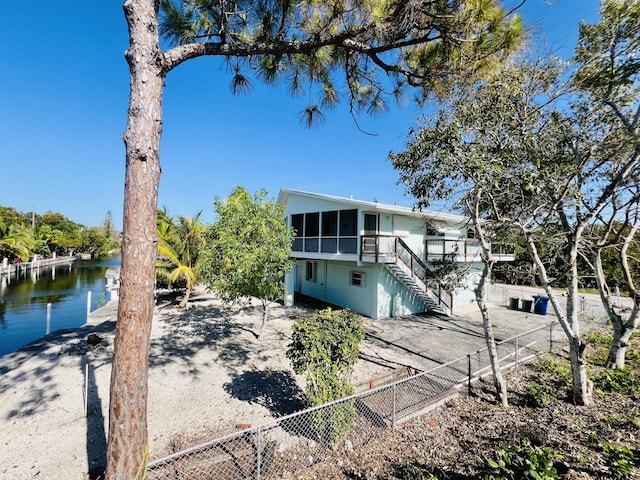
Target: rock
(94,339)
(348,446)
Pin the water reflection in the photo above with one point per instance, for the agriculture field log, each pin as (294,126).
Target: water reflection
(24,298)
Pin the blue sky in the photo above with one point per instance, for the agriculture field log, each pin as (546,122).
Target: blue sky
(63,103)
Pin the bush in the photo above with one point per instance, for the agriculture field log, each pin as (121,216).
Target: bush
(523,460)
(541,395)
(325,345)
(621,380)
(559,367)
(619,461)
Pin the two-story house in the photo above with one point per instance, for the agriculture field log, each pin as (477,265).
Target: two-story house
(377,259)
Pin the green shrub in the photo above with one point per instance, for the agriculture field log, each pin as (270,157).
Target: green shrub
(541,395)
(560,367)
(619,461)
(599,338)
(324,347)
(413,471)
(633,358)
(522,461)
(621,380)
(618,421)
(102,301)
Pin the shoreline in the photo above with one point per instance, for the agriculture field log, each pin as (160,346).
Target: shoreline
(202,382)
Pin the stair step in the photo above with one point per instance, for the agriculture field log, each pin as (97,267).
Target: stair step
(414,287)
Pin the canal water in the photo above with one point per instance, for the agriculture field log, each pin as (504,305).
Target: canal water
(24,299)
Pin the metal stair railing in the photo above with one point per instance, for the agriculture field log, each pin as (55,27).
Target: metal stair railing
(391,249)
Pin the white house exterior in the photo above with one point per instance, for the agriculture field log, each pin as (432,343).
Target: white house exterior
(376,259)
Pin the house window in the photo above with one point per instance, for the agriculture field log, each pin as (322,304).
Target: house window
(348,231)
(370,224)
(297,223)
(330,224)
(329,245)
(333,231)
(329,232)
(357,279)
(348,222)
(311,232)
(312,267)
(312,225)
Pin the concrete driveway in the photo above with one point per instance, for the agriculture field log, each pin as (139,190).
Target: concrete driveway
(426,341)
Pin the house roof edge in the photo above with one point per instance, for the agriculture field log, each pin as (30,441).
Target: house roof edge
(393,209)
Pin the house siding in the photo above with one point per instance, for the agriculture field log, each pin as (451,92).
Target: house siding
(388,288)
(376,299)
(333,269)
(332,285)
(465,295)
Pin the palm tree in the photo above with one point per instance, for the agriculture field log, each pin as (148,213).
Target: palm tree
(179,242)
(16,240)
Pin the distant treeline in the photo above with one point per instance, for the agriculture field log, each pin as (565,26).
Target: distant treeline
(23,235)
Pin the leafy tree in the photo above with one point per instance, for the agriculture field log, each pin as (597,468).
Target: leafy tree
(94,241)
(426,43)
(247,250)
(541,164)
(180,240)
(325,347)
(64,234)
(111,232)
(10,215)
(620,236)
(608,54)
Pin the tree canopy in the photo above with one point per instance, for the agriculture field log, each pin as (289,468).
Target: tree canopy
(542,153)
(247,250)
(378,46)
(25,234)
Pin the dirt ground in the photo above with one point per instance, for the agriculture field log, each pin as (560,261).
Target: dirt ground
(208,374)
(455,441)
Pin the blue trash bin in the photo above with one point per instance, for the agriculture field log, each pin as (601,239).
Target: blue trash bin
(540,304)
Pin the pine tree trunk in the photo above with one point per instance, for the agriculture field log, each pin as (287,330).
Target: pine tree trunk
(128,437)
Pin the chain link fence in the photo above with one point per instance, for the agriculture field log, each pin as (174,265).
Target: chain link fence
(290,444)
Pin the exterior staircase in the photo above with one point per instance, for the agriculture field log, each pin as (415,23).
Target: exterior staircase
(416,286)
(407,268)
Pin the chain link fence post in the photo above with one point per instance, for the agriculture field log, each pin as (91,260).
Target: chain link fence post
(258,451)
(469,373)
(395,404)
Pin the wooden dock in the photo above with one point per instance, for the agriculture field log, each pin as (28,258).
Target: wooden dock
(22,268)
